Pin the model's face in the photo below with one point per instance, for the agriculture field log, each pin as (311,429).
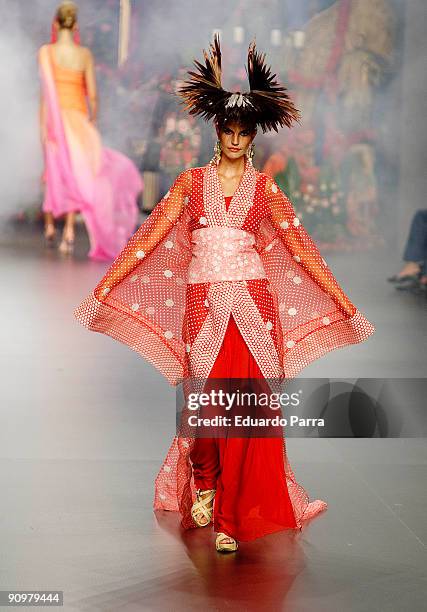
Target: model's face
(235,140)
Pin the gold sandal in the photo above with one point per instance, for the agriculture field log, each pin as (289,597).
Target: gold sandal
(67,243)
(222,546)
(200,507)
(50,234)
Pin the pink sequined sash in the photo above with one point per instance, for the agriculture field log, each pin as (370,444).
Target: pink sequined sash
(223,254)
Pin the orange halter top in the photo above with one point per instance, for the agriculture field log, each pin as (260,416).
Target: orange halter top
(70,87)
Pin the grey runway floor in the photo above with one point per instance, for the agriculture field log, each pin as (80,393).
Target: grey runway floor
(86,423)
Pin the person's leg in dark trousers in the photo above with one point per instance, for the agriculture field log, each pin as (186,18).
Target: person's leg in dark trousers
(416,245)
(415,253)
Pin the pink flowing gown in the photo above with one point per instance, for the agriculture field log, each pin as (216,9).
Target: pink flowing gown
(81,175)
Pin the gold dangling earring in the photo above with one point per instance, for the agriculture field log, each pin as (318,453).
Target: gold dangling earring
(250,151)
(217,152)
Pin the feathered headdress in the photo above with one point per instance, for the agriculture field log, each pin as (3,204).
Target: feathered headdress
(267,104)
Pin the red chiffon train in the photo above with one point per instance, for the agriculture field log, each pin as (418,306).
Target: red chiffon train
(251,497)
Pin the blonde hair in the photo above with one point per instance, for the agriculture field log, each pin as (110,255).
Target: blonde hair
(66,15)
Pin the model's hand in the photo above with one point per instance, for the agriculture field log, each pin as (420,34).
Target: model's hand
(45,139)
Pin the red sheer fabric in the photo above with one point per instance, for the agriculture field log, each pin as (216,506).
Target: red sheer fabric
(279,324)
(248,474)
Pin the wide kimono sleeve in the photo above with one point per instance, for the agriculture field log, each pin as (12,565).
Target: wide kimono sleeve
(316,314)
(159,223)
(140,300)
(302,247)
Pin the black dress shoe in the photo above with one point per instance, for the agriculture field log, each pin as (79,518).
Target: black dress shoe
(410,283)
(404,279)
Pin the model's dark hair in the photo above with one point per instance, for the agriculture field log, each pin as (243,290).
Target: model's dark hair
(267,104)
(223,122)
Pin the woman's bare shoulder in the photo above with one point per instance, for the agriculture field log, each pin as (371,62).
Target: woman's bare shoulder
(43,48)
(86,54)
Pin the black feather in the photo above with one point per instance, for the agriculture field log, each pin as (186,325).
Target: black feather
(267,104)
(203,93)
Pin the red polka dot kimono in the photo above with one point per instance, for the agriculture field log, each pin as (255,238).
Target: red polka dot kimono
(193,262)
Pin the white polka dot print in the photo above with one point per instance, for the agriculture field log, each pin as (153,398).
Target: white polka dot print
(279,305)
(296,312)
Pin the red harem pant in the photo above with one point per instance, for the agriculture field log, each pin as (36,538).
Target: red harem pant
(248,474)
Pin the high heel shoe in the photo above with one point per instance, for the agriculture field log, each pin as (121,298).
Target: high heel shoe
(222,546)
(67,244)
(202,509)
(50,234)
